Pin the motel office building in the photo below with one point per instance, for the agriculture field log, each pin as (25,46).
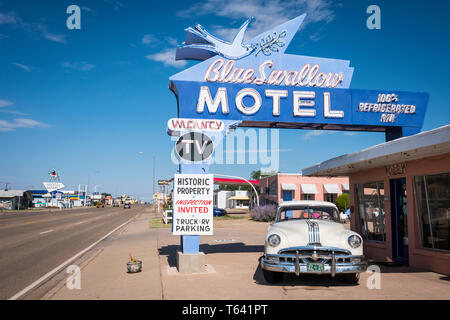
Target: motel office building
(400,198)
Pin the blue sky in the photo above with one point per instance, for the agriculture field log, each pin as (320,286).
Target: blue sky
(95,102)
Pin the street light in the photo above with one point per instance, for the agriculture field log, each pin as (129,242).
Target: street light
(87,192)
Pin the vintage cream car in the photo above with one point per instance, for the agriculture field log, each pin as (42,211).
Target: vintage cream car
(308,237)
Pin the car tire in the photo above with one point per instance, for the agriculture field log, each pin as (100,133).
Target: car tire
(272,277)
(351,278)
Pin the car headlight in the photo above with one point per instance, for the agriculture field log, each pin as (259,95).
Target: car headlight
(274,240)
(354,241)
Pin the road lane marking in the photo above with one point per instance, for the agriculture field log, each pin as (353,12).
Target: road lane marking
(62,265)
(79,222)
(46,232)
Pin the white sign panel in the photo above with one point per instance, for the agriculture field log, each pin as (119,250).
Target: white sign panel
(52,186)
(193,204)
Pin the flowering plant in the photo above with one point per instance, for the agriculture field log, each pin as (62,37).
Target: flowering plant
(264,213)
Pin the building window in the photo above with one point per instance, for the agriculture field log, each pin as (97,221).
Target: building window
(273,189)
(371,210)
(308,196)
(432,195)
(330,197)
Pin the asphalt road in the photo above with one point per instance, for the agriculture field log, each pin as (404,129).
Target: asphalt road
(34,243)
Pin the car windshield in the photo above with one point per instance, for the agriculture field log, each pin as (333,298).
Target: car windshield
(308,212)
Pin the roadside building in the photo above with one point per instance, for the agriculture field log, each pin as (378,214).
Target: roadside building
(237,199)
(58,198)
(287,186)
(39,200)
(400,198)
(108,200)
(15,199)
(159,199)
(220,198)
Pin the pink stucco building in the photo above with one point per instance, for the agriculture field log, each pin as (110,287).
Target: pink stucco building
(286,186)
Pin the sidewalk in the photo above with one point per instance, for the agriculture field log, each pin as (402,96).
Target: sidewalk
(104,276)
(232,270)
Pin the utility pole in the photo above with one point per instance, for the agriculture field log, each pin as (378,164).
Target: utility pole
(6,185)
(154,174)
(87,191)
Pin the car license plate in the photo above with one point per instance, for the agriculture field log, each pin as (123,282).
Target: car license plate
(315,267)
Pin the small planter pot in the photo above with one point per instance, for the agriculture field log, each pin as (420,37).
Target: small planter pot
(134,267)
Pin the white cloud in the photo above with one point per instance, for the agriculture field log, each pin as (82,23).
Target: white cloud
(258,150)
(149,39)
(10,18)
(13,112)
(13,20)
(5,103)
(55,37)
(20,123)
(22,66)
(315,133)
(79,66)
(116,4)
(90,10)
(268,13)
(167,57)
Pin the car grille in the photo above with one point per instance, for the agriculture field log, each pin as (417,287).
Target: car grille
(305,256)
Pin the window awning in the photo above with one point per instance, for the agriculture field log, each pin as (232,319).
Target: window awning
(288,186)
(309,189)
(345,186)
(239,198)
(332,188)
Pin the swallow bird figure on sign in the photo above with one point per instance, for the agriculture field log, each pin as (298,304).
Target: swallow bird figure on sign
(200,40)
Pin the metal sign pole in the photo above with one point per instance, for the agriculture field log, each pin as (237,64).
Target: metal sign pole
(189,258)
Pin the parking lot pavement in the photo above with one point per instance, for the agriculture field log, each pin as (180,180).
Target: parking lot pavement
(104,276)
(233,272)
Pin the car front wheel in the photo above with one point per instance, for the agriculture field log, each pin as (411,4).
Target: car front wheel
(272,277)
(351,278)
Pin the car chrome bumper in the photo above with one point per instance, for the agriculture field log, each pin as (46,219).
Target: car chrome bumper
(271,262)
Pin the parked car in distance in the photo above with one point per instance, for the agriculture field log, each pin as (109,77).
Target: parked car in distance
(115,204)
(100,205)
(127,205)
(217,212)
(307,237)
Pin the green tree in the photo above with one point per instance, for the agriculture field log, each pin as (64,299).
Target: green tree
(343,202)
(258,174)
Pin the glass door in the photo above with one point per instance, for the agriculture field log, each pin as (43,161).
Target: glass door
(399,215)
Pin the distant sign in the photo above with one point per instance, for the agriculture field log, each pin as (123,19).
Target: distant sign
(53,186)
(178,124)
(194,146)
(163,182)
(193,204)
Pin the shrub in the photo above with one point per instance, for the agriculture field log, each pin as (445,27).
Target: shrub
(343,202)
(264,213)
